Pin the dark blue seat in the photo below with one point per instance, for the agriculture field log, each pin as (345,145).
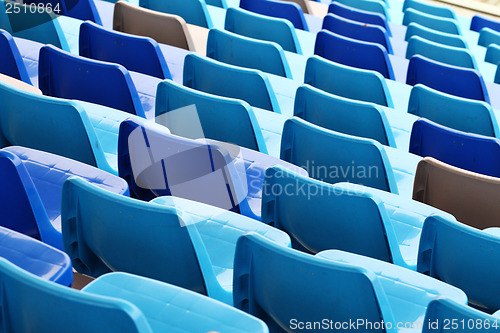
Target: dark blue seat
(479,22)
(280,9)
(353,53)
(12,63)
(79,9)
(359,15)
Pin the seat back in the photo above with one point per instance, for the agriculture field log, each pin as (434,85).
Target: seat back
(334,157)
(214,117)
(463,257)
(415,29)
(492,54)
(357,30)
(463,150)
(84,10)
(479,22)
(238,50)
(488,36)
(442,24)
(462,114)
(332,77)
(429,9)
(471,197)
(359,15)
(458,81)
(12,63)
(304,5)
(352,52)
(217,3)
(343,115)
(64,75)
(373,6)
(280,9)
(450,55)
(138,54)
(283,287)
(193,11)
(54,308)
(214,77)
(249,24)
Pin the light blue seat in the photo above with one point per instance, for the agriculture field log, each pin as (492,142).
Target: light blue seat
(35,257)
(193,11)
(280,9)
(373,6)
(430,9)
(488,36)
(246,23)
(462,114)
(334,157)
(287,288)
(331,77)
(462,256)
(352,52)
(442,24)
(359,15)
(247,52)
(218,3)
(31,196)
(479,22)
(343,115)
(493,54)
(415,29)
(214,77)
(450,55)
(105,232)
(138,54)
(12,63)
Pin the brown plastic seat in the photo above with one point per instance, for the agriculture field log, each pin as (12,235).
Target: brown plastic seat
(473,198)
(19,84)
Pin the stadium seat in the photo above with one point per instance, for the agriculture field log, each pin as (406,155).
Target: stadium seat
(352,52)
(442,24)
(193,11)
(36,257)
(462,114)
(12,63)
(430,9)
(82,9)
(304,5)
(471,197)
(493,54)
(488,36)
(32,182)
(374,6)
(474,254)
(138,54)
(359,15)
(19,84)
(479,22)
(106,232)
(415,29)
(279,9)
(217,3)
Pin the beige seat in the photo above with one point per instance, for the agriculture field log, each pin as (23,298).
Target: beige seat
(317,8)
(20,84)
(164,28)
(304,4)
(472,198)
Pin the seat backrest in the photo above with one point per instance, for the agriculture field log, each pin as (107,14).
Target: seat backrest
(479,22)
(430,9)
(12,63)
(193,11)
(431,21)
(138,54)
(463,114)
(471,197)
(84,10)
(238,50)
(19,84)
(463,257)
(280,9)
(373,6)
(343,115)
(304,5)
(214,77)
(451,55)
(415,29)
(64,75)
(359,15)
(458,81)
(217,3)
(488,36)
(54,308)
(493,54)
(334,157)
(463,150)
(284,287)
(357,30)
(213,117)
(164,28)
(331,77)
(249,24)
(352,52)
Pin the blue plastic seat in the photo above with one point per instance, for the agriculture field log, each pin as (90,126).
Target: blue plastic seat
(64,75)
(193,11)
(493,54)
(463,150)
(217,3)
(246,23)
(461,256)
(35,257)
(359,15)
(458,81)
(479,22)
(331,77)
(343,115)
(462,114)
(357,30)
(31,196)
(415,29)
(289,289)
(430,9)
(139,54)
(442,24)
(214,77)
(81,9)
(12,63)
(106,232)
(488,36)
(352,52)
(374,6)
(280,9)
